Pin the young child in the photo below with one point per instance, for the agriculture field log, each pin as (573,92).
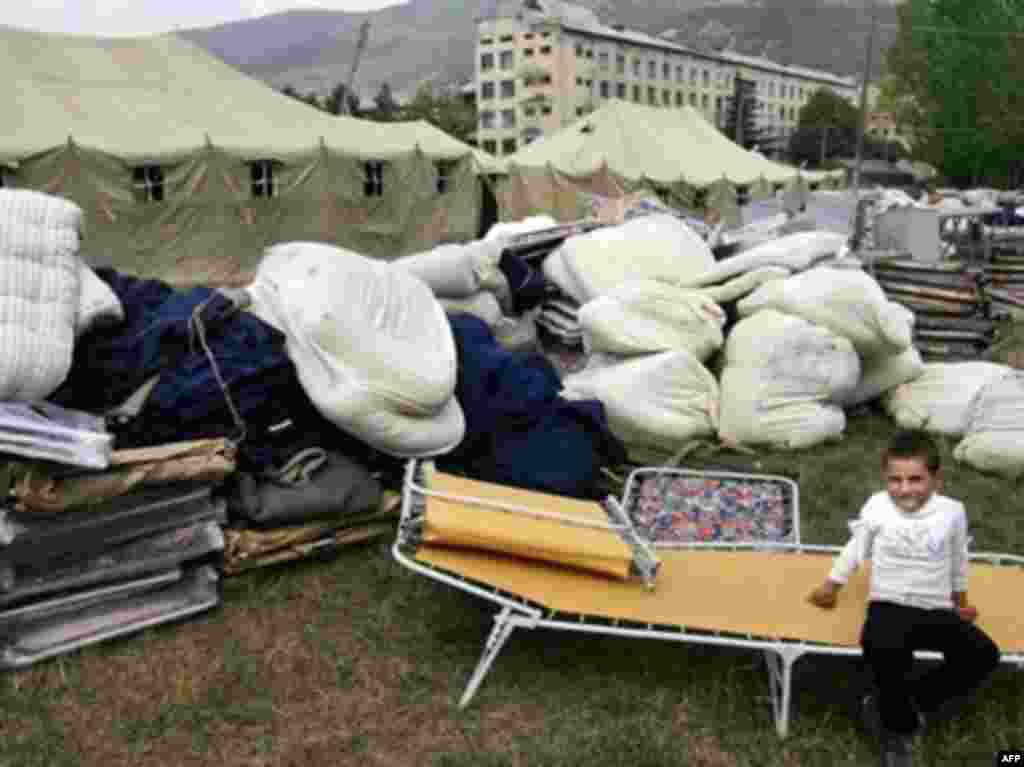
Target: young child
(916,540)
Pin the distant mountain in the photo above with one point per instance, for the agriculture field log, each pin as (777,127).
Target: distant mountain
(434,39)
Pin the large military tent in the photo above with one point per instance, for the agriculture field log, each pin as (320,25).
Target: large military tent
(622,146)
(187,168)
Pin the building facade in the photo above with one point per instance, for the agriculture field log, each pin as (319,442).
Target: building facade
(541,65)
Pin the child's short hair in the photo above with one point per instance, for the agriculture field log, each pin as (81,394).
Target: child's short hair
(913,443)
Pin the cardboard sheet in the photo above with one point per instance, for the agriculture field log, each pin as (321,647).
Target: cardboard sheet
(761,594)
(465,525)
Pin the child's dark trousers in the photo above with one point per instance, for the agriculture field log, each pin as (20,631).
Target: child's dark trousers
(891,635)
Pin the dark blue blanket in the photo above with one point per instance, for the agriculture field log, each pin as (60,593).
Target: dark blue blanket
(519,431)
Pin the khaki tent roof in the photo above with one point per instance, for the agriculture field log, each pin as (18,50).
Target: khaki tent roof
(666,146)
(159,98)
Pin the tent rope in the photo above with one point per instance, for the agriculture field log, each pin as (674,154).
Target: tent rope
(197,328)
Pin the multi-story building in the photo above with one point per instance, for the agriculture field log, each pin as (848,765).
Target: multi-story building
(541,64)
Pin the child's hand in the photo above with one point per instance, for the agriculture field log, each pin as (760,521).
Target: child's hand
(825,596)
(968,612)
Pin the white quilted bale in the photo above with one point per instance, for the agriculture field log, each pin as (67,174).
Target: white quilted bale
(456,271)
(781,377)
(995,428)
(372,347)
(880,374)
(658,400)
(646,316)
(846,301)
(796,252)
(657,247)
(39,292)
(939,400)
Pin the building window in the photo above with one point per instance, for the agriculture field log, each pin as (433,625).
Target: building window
(373,182)
(545,34)
(782,113)
(486,90)
(666,71)
(545,110)
(652,69)
(792,113)
(579,81)
(262,174)
(652,96)
(529,111)
(704,101)
(2,183)
(693,75)
(590,53)
(545,80)
(508,146)
(508,89)
(579,111)
(486,40)
(486,61)
(705,78)
(718,105)
(680,73)
(148,182)
(508,118)
(506,38)
(620,63)
(528,36)
(579,49)
(605,89)
(693,99)
(507,59)
(666,97)
(602,59)
(771,88)
(490,146)
(487,119)
(636,93)
(620,91)
(636,67)
(527,52)
(679,98)
(545,50)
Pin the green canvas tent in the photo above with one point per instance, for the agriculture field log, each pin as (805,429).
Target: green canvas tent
(622,146)
(187,169)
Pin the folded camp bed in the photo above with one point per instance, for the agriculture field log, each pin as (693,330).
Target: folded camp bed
(745,594)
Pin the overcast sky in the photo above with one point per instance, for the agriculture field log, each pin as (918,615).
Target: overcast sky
(110,18)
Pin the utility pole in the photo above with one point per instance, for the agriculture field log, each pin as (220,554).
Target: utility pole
(364,35)
(858,217)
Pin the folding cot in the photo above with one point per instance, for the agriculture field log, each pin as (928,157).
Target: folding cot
(747,594)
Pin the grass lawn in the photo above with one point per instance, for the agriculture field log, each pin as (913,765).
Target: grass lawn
(358,661)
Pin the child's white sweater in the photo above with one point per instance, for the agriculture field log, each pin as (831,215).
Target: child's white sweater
(917,559)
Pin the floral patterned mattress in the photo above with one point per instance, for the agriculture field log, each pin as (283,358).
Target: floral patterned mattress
(674,506)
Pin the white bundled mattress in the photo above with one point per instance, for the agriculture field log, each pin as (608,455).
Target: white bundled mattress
(39,292)
(657,247)
(372,346)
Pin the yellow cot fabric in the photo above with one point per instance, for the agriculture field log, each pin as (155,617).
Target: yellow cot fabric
(463,524)
(760,594)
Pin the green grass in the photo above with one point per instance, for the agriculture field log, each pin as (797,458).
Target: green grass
(358,661)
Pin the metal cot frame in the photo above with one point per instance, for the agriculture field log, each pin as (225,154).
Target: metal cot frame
(518,612)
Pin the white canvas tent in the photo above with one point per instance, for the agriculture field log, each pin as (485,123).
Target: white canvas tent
(623,145)
(187,169)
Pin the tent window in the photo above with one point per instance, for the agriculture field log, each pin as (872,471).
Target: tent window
(508,146)
(148,182)
(490,146)
(444,174)
(373,185)
(262,173)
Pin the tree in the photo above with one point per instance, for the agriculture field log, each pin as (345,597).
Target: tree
(826,128)
(385,106)
(339,96)
(959,85)
(444,109)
